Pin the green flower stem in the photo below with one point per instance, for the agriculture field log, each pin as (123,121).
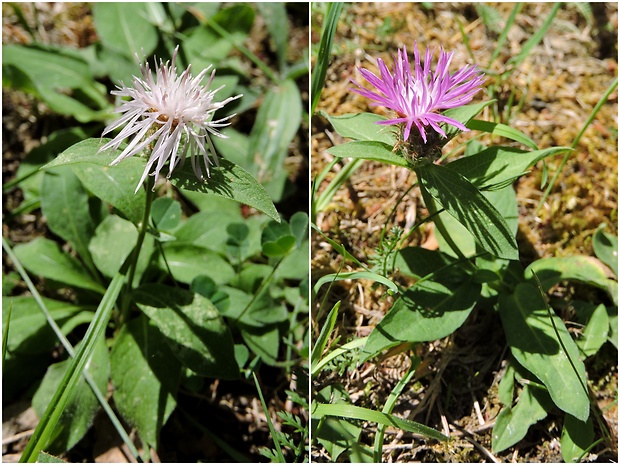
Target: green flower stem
(126,298)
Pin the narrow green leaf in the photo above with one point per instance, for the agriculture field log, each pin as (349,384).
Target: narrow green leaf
(44,258)
(30,333)
(5,334)
(589,270)
(113,184)
(96,329)
(463,115)
(355,275)
(205,46)
(193,328)
(81,407)
(369,150)
(274,435)
(533,342)
(499,166)
(595,333)
(145,374)
(277,122)
(502,130)
(516,60)
(326,331)
(52,67)
(330,25)
(464,202)
(504,34)
(274,14)
(361,413)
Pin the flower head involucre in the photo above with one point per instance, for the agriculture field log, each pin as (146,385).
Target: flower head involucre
(418,96)
(170,116)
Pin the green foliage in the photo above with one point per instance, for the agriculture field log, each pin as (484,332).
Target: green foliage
(475,211)
(191,281)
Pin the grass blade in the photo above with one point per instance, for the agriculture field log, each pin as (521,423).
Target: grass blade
(95,330)
(69,348)
(326,330)
(322,63)
(5,335)
(361,413)
(354,344)
(388,407)
(322,201)
(534,39)
(595,110)
(504,35)
(272,430)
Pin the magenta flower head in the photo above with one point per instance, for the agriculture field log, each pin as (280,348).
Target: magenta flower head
(418,96)
(168,118)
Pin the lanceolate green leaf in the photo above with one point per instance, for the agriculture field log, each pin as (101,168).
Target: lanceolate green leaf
(125,28)
(276,124)
(362,126)
(44,258)
(464,202)
(113,184)
(499,166)
(65,204)
(361,413)
(81,408)
(534,343)
(463,115)
(328,33)
(229,181)
(369,150)
(499,129)
(426,312)
(589,270)
(356,275)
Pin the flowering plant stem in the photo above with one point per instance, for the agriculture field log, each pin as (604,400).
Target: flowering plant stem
(126,297)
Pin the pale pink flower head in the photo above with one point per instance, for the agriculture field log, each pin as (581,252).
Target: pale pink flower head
(169,116)
(420,95)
